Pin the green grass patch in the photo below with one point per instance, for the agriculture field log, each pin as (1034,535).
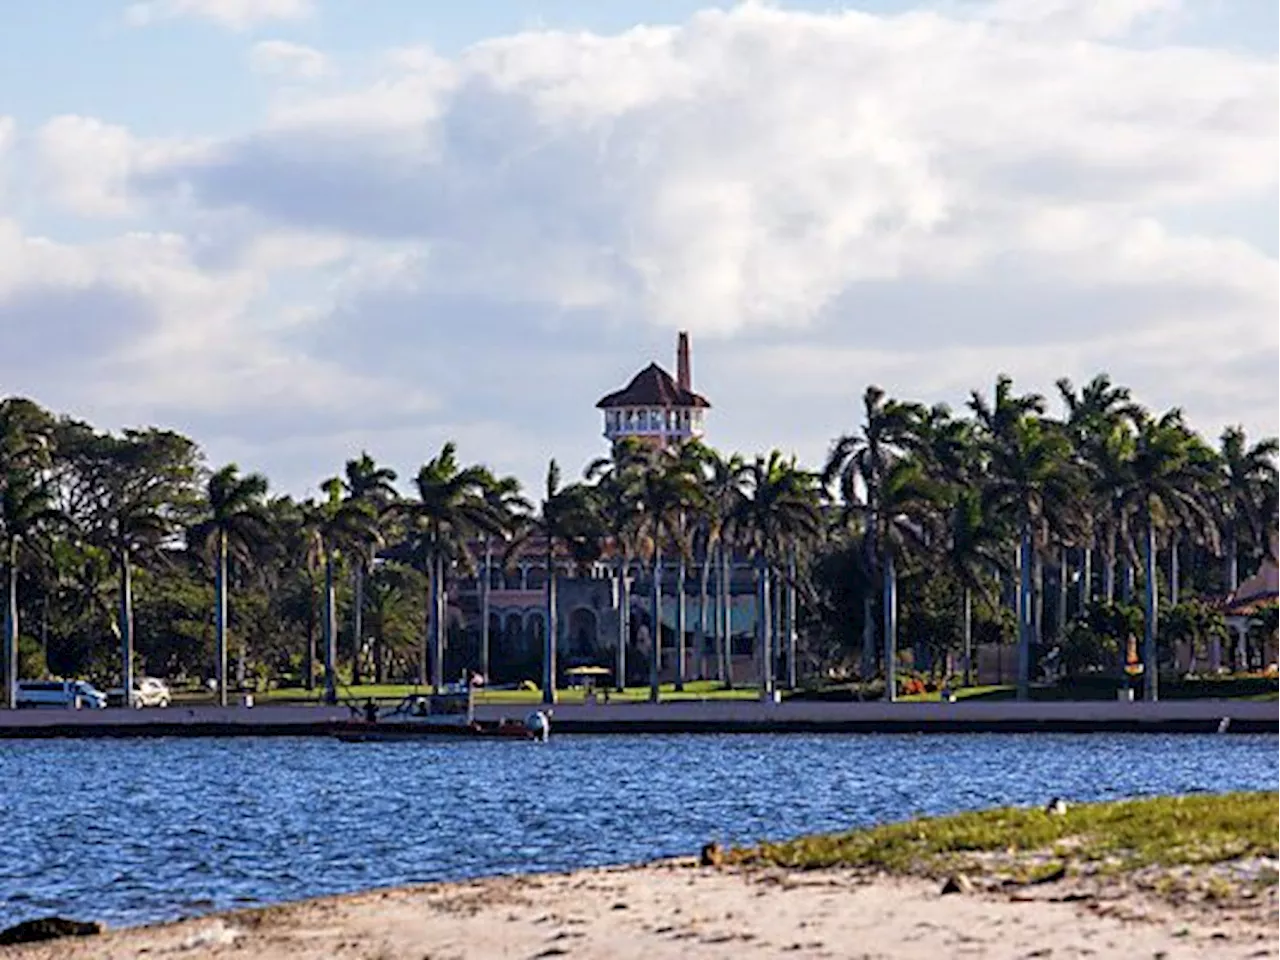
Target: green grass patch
(1165,831)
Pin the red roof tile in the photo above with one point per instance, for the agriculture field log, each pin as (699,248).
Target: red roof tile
(652,387)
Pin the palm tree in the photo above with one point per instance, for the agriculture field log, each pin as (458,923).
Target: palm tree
(1033,481)
(616,487)
(1096,424)
(778,509)
(723,494)
(1247,501)
(567,516)
(665,486)
(235,526)
(974,547)
(503,496)
(1165,481)
(858,464)
(26,515)
(450,508)
(347,525)
(365,482)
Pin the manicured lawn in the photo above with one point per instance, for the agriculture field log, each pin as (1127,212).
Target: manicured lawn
(694,690)
(1166,831)
(1244,687)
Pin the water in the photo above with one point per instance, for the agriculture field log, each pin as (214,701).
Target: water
(131,831)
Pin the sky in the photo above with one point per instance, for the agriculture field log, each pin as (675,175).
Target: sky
(300,229)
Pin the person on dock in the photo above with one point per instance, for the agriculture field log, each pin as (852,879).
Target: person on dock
(371,711)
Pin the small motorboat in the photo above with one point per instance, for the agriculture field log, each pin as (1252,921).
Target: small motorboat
(448,716)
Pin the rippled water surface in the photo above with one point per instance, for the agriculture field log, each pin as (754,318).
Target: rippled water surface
(129,831)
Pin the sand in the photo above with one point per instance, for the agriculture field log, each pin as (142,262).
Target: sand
(679,911)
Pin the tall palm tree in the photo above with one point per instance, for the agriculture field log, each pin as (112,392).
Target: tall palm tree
(235,526)
(858,464)
(567,517)
(1033,481)
(723,495)
(973,548)
(1096,423)
(346,525)
(26,516)
(1165,481)
(509,506)
(778,510)
(1247,501)
(367,483)
(665,487)
(450,509)
(617,487)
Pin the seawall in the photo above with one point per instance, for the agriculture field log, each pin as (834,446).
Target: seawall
(1172,716)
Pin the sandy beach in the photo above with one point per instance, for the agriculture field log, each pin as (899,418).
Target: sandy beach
(679,910)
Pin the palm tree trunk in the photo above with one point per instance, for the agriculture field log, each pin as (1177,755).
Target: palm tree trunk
(220,619)
(11,624)
(309,682)
(624,625)
(968,637)
(437,622)
(681,619)
(484,609)
(763,616)
(1149,657)
(1174,573)
(868,638)
(126,627)
(357,621)
(890,627)
(330,632)
(655,622)
(1233,559)
(1086,582)
(549,640)
(1126,591)
(1109,572)
(704,596)
(1064,573)
(428,618)
(792,671)
(1038,605)
(1024,616)
(726,614)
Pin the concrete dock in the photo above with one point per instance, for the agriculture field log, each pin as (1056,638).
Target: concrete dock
(709,716)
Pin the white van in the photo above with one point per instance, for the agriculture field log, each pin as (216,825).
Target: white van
(66,694)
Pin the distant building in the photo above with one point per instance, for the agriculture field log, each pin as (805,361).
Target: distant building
(655,408)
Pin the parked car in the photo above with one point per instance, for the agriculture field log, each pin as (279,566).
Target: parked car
(64,694)
(147,692)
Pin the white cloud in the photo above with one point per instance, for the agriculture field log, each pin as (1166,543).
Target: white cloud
(1080,18)
(233,14)
(484,244)
(282,58)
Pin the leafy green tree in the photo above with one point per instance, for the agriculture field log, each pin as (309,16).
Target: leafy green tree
(27,515)
(1247,499)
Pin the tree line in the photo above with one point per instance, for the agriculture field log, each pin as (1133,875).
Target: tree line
(925,528)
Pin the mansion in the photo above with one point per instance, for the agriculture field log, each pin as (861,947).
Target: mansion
(661,410)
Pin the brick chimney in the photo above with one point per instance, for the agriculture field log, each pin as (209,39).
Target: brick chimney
(684,373)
